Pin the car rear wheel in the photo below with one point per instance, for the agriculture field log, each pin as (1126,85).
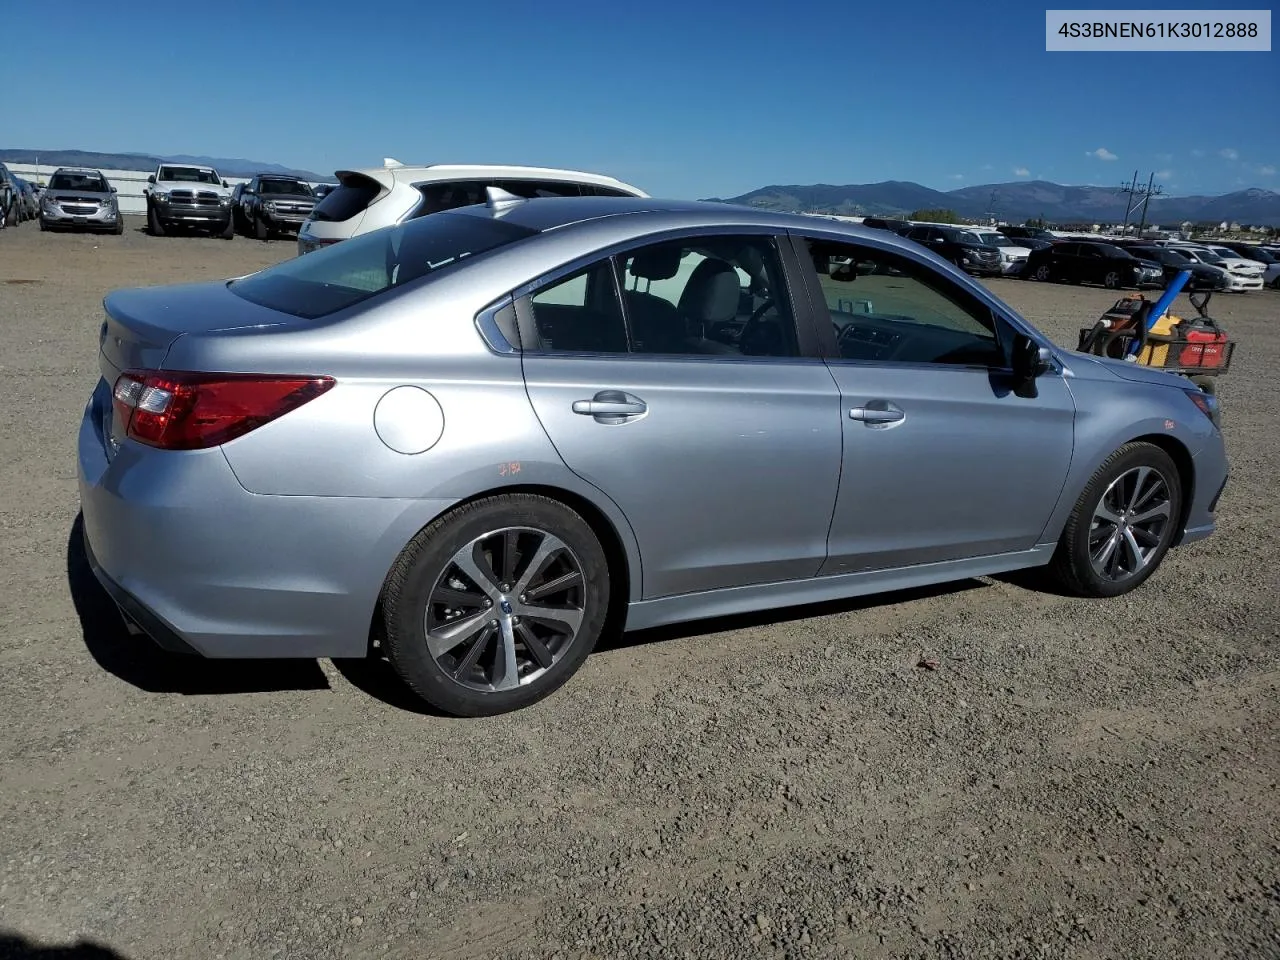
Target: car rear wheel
(1043,273)
(494,606)
(1112,280)
(1122,525)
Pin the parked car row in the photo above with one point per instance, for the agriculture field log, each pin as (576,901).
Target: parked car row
(1231,267)
(1116,263)
(19,199)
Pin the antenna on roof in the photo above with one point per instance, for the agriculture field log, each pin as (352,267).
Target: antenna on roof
(391,162)
(496,198)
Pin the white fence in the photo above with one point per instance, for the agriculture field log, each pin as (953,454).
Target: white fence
(129,184)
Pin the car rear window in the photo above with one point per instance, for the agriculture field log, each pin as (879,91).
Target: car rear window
(347,273)
(352,196)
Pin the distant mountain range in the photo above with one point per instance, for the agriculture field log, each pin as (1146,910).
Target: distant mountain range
(1015,202)
(228,167)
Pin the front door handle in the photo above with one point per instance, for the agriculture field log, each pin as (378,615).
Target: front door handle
(878,411)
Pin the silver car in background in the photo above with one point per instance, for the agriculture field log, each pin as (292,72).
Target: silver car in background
(80,197)
(474,442)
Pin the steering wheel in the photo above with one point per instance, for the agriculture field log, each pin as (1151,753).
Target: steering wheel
(753,321)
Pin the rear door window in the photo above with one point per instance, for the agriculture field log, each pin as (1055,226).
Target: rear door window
(350,198)
(531,189)
(449,195)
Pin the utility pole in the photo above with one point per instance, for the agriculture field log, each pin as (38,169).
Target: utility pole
(1129,189)
(1146,197)
(1138,197)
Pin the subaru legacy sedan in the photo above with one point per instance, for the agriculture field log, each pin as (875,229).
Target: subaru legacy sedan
(473,442)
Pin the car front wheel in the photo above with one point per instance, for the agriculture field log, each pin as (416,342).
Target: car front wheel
(494,606)
(1122,525)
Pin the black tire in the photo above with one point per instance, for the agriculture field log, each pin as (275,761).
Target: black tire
(260,229)
(1112,280)
(1043,273)
(1071,567)
(154,226)
(1208,385)
(43,226)
(228,230)
(429,556)
(119,227)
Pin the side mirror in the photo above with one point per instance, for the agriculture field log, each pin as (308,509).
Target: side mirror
(1030,361)
(114,190)
(225,184)
(151,178)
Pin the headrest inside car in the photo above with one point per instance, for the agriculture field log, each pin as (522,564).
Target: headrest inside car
(659,263)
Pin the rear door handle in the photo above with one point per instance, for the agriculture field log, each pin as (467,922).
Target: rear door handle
(609,408)
(612,404)
(878,411)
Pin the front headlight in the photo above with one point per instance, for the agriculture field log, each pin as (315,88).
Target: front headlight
(160,196)
(225,201)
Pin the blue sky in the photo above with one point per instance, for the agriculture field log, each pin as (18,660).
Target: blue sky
(683,99)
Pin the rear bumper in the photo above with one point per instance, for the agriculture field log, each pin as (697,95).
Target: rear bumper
(203,566)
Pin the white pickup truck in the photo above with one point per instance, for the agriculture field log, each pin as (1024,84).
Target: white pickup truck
(182,195)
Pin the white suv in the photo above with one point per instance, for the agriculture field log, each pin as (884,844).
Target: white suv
(366,200)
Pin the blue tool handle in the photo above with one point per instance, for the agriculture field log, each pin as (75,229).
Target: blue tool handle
(1164,303)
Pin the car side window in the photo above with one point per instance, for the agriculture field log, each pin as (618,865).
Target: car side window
(888,308)
(713,296)
(581,313)
(530,189)
(449,195)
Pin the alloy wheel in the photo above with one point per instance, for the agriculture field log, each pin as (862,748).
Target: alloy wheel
(1112,280)
(1129,524)
(506,608)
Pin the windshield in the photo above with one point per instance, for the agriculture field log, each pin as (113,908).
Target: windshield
(996,239)
(78,181)
(285,186)
(1257,253)
(340,276)
(188,175)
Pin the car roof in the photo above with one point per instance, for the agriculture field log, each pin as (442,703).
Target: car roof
(421,173)
(552,213)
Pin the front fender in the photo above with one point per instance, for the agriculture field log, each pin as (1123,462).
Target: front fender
(1111,413)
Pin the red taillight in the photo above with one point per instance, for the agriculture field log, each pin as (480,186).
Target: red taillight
(190,411)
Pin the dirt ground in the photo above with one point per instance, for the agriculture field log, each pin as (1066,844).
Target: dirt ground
(1075,779)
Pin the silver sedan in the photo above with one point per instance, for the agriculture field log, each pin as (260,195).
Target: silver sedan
(474,442)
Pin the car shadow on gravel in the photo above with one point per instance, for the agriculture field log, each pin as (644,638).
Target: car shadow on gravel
(138,661)
(375,677)
(16,947)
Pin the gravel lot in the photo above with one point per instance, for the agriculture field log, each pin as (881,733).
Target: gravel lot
(1075,779)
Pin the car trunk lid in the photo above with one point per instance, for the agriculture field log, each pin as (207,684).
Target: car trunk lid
(142,324)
